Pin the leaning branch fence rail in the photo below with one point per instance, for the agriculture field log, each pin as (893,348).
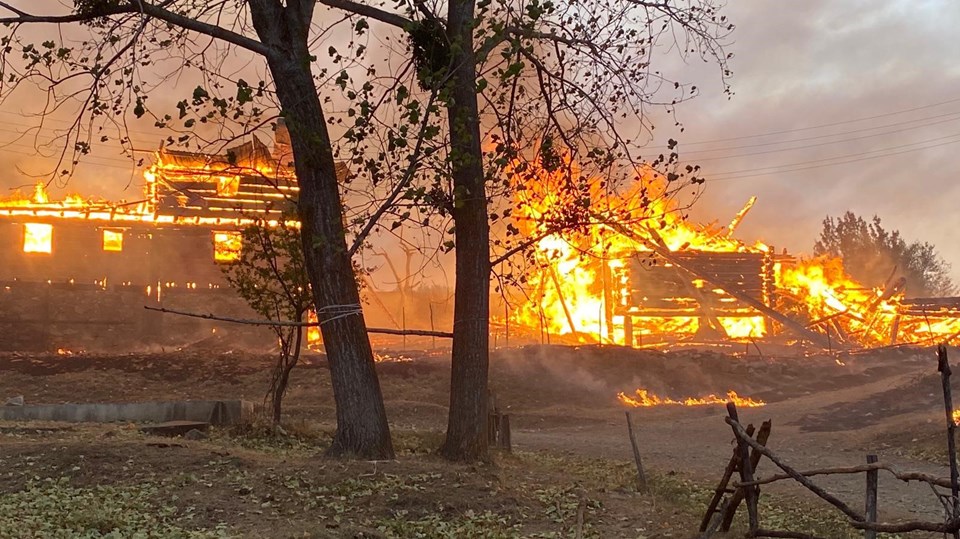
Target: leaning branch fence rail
(750,450)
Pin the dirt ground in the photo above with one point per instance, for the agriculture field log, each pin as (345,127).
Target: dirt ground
(569,433)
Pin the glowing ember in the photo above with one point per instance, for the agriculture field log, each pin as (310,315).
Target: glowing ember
(643,398)
(390,358)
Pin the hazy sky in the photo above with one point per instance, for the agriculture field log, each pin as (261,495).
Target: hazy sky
(800,65)
(885,74)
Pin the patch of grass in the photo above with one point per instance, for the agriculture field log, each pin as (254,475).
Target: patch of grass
(597,472)
(298,437)
(54,509)
(479,525)
(416,442)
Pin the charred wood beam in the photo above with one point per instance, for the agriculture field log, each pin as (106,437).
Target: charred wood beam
(737,219)
(706,306)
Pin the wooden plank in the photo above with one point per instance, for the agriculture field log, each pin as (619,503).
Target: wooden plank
(871,498)
(746,470)
(943,367)
(762,436)
(722,488)
(641,477)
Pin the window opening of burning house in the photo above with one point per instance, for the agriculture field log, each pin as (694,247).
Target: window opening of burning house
(228,186)
(226,246)
(37,238)
(112,240)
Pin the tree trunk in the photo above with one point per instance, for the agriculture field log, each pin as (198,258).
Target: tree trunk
(467,421)
(362,428)
(289,360)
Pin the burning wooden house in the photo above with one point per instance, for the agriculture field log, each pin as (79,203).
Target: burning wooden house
(654,290)
(640,273)
(82,265)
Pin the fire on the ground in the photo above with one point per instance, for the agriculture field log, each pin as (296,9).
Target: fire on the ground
(644,398)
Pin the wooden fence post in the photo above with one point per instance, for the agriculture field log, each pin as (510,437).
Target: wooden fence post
(718,504)
(943,365)
(746,471)
(641,477)
(738,496)
(871,497)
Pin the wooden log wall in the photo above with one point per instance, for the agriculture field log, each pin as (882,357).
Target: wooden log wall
(656,288)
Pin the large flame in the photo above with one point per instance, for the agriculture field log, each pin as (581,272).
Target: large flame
(586,234)
(576,270)
(644,398)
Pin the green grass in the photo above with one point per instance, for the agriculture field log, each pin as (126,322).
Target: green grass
(53,509)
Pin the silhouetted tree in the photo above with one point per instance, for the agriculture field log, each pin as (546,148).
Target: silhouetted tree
(270,275)
(871,254)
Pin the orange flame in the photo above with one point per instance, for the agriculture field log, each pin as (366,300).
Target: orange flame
(579,282)
(577,273)
(643,398)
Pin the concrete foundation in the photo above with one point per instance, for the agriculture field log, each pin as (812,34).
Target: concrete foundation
(212,412)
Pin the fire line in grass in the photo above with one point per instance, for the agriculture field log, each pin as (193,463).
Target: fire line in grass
(644,398)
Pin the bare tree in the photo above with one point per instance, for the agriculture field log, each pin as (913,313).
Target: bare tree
(270,275)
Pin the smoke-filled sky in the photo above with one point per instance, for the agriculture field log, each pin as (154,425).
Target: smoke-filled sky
(882,76)
(837,105)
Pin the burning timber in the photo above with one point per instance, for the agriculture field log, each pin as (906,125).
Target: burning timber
(643,275)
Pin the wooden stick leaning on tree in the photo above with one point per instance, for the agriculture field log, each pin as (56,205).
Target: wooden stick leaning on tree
(282,323)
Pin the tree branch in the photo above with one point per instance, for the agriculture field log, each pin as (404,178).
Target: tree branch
(286,323)
(364,10)
(401,185)
(156,11)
